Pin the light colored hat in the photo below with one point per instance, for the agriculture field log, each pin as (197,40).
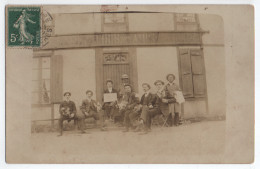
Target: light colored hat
(170,75)
(124,76)
(158,81)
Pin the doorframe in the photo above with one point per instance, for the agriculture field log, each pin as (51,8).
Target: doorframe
(99,70)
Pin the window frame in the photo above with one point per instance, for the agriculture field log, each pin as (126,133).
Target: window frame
(40,80)
(194,97)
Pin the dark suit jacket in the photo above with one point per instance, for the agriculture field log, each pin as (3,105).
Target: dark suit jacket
(113,90)
(131,99)
(71,105)
(87,105)
(152,100)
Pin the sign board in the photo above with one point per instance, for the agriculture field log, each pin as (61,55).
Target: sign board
(110,97)
(171,38)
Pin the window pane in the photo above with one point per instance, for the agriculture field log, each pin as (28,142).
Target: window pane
(45,97)
(35,74)
(45,73)
(45,85)
(45,62)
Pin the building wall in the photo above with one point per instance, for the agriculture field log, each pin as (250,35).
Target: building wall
(78,72)
(149,71)
(215,74)
(214,57)
(151,22)
(79,64)
(77,23)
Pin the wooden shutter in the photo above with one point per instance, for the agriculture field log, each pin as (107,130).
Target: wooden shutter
(56,78)
(198,73)
(186,73)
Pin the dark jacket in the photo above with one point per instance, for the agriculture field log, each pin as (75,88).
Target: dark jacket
(70,104)
(113,91)
(131,99)
(169,90)
(88,106)
(152,100)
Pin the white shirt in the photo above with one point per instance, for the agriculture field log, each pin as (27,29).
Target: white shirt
(146,93)
(110,90)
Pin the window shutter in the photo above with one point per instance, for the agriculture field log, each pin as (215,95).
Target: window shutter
(56,78)
(186,73)
(198,73)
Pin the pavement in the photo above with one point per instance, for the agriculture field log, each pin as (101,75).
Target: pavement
(202,142)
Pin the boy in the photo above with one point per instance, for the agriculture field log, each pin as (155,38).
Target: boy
(67,111)
(109,107)
(170,91)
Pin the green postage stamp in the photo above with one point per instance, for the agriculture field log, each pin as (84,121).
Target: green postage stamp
(24,26)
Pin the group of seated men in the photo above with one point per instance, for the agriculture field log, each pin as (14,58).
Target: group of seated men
(127,110)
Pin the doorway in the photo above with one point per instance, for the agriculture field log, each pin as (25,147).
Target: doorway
(112,63)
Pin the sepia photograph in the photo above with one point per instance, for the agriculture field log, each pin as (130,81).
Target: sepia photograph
(118,86)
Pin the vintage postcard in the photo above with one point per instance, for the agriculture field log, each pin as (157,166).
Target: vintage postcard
(129,84)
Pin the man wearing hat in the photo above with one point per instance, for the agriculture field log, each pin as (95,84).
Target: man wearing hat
(124,81)
(127,106)
(109,107)
(90,109)
(162,106)
(170,92)
(149,103)
(67,111)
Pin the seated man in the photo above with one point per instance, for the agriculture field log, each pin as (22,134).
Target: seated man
(90,109)
(109,107)
(127,106)
(67,111)
(162,106)
(149,103)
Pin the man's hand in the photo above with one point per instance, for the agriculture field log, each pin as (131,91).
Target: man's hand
(150,106)
(86,113)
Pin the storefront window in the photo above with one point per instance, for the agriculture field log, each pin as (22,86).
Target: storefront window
(41,80)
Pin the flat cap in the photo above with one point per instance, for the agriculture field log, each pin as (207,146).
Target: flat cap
(124,76)
(89,91)
(66,93)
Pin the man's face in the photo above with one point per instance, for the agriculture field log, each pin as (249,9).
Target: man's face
(127,89)
(145,88)
(89,95)
(109,85)
(125,80)
(170,79)
(159,86)
(67,96)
